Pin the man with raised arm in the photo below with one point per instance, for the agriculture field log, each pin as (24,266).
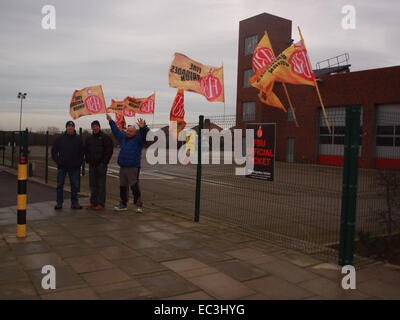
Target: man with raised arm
(129,159)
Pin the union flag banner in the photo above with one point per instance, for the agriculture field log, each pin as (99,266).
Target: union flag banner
(263,55)
(87,101)
(121,108)
(130,105)
(120,121)
(146,105)
(191,75)
(272,100)
(291,66)
(177,114)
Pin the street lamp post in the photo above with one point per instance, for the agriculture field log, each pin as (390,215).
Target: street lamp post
(21,96)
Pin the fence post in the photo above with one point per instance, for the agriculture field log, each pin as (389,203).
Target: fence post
(198,177)
(4,147)
(349,190)
(46,166)
(12,149)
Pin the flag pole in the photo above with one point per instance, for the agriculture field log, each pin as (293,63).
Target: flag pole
(284,87)
(154,109)
(290,104)
(223,79)
(316,87)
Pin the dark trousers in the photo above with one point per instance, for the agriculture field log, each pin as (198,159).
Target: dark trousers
(73,180)
(137,196)
(97,183)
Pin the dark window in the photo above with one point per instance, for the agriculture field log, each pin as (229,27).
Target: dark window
(385,130)
(397,142)
(384,141)
(290,114)
(398,130)
(250,44)
(339,140)
(249,111)
(339,130)
(325,139)
(323,130)
(247,74)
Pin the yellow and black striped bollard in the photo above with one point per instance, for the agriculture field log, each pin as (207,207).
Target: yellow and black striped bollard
(21,198)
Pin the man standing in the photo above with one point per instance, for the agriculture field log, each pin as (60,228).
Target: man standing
(129,161)
(67,152)
(98,151)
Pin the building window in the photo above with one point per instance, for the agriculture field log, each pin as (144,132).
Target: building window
(250,44)
(246,76)
(249,111)
(388,136)
(337,136)
(290,114)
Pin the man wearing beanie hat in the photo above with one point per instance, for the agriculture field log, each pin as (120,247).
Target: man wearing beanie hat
(98,151)
(67,152)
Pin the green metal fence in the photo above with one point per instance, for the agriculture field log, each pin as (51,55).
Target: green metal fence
(12,145)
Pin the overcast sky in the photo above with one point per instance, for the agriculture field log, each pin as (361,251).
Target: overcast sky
(128,46)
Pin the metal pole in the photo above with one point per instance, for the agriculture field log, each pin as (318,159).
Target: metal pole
(198,177)
(349,192)
(12,149)
(20,114)
(46,169)
(4,146)
(21,196)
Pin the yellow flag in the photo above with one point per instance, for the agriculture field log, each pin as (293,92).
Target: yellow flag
(271,99)
(191,75)
(291,66)
(263,55)
(130,106)
(121,108)
(87,101)
(120,121)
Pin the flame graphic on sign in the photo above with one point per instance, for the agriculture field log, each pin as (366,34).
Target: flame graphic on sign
(259,132)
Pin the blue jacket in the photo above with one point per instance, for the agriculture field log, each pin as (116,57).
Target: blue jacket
(130,153)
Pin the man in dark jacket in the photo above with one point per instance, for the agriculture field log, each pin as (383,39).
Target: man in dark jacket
(98,151)
(67,152)
(129,159)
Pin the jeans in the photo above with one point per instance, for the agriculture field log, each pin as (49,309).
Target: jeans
(73,180)
(97,181)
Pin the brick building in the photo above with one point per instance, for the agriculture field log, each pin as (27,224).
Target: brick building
(376,91)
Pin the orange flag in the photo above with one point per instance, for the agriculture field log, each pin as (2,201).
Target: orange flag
(177,114)
(87,101)
(191,75)
(120,121)
(263,56)
(120,108)
(291,66)
(131,105)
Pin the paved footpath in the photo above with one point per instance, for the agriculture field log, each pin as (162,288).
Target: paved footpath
(159,255)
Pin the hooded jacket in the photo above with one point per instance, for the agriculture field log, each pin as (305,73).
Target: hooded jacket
(130,153)
(67,151)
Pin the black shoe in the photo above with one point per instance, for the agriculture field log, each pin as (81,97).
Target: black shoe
(76,206)
(58,207)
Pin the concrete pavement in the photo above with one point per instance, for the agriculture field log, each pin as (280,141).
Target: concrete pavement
(161,255)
